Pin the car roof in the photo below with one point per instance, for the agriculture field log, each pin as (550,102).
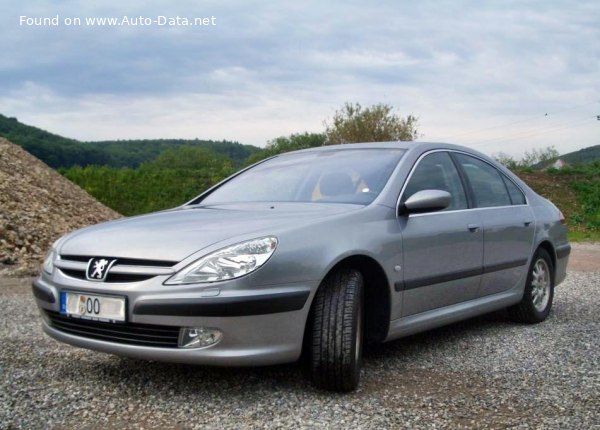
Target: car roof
(406,145)
(412,147)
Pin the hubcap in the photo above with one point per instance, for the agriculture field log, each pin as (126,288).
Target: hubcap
(540,283)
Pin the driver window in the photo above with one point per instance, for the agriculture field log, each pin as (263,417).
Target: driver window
(437,172)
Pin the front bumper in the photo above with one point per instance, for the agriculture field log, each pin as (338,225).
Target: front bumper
(260,326)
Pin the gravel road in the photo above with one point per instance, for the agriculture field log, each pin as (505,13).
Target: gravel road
(486,372)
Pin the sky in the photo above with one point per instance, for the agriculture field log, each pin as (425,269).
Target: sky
(499,76)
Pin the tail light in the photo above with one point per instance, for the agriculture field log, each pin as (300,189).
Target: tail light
(561,217)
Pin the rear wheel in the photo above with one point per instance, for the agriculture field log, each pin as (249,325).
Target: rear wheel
(539,291)
(337,332)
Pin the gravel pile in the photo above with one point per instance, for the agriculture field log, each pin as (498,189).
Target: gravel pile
(37,206)
(486,373)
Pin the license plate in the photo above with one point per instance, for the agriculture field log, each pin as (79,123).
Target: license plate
(90,306)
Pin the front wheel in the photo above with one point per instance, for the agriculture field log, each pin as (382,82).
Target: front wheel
(337,332)
(539,291)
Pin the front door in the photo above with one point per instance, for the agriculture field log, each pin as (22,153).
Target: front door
(442,251)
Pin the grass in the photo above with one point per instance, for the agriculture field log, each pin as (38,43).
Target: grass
(576,192)
(584,236)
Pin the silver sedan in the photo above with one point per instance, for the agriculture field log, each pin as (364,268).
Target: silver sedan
(313,253)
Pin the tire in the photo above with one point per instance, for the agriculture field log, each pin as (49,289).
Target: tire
(337,332)
(539,291)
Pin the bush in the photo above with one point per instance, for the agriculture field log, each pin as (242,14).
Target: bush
(174,178)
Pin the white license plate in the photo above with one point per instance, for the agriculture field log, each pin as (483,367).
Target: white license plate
(90,306)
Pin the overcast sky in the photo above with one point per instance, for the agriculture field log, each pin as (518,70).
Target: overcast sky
(495,75)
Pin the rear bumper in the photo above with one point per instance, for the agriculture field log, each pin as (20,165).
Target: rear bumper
(562,260)
(257,329)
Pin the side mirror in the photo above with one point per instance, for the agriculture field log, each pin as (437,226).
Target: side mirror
(426,201)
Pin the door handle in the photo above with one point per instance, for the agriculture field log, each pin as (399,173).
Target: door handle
(473,227)
(527,222)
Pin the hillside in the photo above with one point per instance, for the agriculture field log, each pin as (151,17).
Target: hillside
(62,152)
(37,206)
(52,149)
(576,192)
(585,155)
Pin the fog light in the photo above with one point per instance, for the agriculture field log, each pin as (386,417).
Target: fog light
(198,337)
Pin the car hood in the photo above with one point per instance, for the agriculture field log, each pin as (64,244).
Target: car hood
(176,234)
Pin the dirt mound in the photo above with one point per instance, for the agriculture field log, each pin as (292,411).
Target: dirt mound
(37,206)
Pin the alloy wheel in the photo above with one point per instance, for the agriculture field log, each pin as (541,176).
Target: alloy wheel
(540,292)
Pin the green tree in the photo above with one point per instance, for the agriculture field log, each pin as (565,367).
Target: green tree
(539,157)
(283,144)
(378,123)
(188,157)
(174,177)
(506,160)
(533,158)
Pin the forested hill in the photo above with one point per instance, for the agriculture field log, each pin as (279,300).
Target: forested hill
(58,151)
(585,155)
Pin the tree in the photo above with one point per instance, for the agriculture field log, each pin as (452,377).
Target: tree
(189,157)
(174,177)
(533,158)
(539,157)
(506,160)
(283,144)
(378,123)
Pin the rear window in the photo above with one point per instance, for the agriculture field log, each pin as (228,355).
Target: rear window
(488,186)
(516,195)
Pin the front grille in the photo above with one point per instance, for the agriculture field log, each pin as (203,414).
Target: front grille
(123,269)
(111,277)
(122,261)
(126,333)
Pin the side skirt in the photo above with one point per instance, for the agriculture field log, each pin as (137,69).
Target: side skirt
(434,318)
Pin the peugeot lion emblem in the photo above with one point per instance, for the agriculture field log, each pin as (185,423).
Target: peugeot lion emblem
(98,268)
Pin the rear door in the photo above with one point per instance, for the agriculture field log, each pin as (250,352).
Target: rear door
(442,251)
(508,224)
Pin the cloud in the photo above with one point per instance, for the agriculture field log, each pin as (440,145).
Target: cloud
(272,69)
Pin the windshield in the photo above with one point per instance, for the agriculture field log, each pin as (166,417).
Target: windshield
(338,176)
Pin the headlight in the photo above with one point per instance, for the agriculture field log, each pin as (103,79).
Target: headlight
(227,263)
(48,265)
